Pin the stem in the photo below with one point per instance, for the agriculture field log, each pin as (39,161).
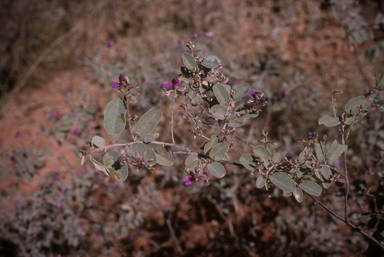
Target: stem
(346,179)
(173,102)
(174,236)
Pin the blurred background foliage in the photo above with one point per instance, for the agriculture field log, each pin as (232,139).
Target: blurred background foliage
(296,52)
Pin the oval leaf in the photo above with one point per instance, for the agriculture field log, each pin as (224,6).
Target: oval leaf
(208,146)
(98,141)
(326,172)
(163,157)
(114,121)
(319,148)
(150,137)
(140,148)
(298,194)
(189,61)
(311,188)
(112,164)
(241,92)
(148,122)
(329,121)
(193,165)
(221,94)
(263,154)
(191,158)
(335,150)
(353,103)
(99,166)
(282,181)
(216,169)
(260,181)
(218,150)
(247,161)
(218,112)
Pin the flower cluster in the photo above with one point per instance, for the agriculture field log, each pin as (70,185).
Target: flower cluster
(257,97)
(175,82)
(188,180)
(122,80)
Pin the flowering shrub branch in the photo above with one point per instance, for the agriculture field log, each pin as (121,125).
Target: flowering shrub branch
(210,104)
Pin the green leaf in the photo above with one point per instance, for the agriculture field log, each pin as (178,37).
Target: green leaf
(353,103)
(218,150)
(326,172)
(112,164)
(189,61)
(221,94)
(208,146)
(260,181)
(112,116)
(311,188)
(263,154)
(216,169)
(335,150)
(140,148)
(218,112)
(247,160)
(287,194)
(319,148)
(98,141)
(276,158)
(98,166)
(329,121)
(282,181)
(191,158)
(298,194)
(150,137)
(241,92)
(148,122)
(163,157)
(193,165)
(210,63)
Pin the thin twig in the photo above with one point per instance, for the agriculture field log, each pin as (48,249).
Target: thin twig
(173,235)
(355,228)
(173,103)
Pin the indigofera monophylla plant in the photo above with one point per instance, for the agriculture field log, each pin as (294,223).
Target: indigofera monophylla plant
(212,106)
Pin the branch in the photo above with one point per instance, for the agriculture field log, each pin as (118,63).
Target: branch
(354,227)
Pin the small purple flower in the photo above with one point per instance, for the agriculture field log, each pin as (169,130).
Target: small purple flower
(340,163)
(179,42)
(110,43)
(133,237)
(115,84)
(175,82)
(229,202)
(187,181)
(121,78)
(219,65)
(13,159)
(18,134)
(61,207)
(75,132)
(257,97)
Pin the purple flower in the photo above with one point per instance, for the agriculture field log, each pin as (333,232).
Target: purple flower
(175,82)
(340,163)
(18,134)
(121,78)
(179,42)
(13,159)
(61,207)
(133,237)
(110,43)
(115,84)
(75,132)
(187,181)
(257,97)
